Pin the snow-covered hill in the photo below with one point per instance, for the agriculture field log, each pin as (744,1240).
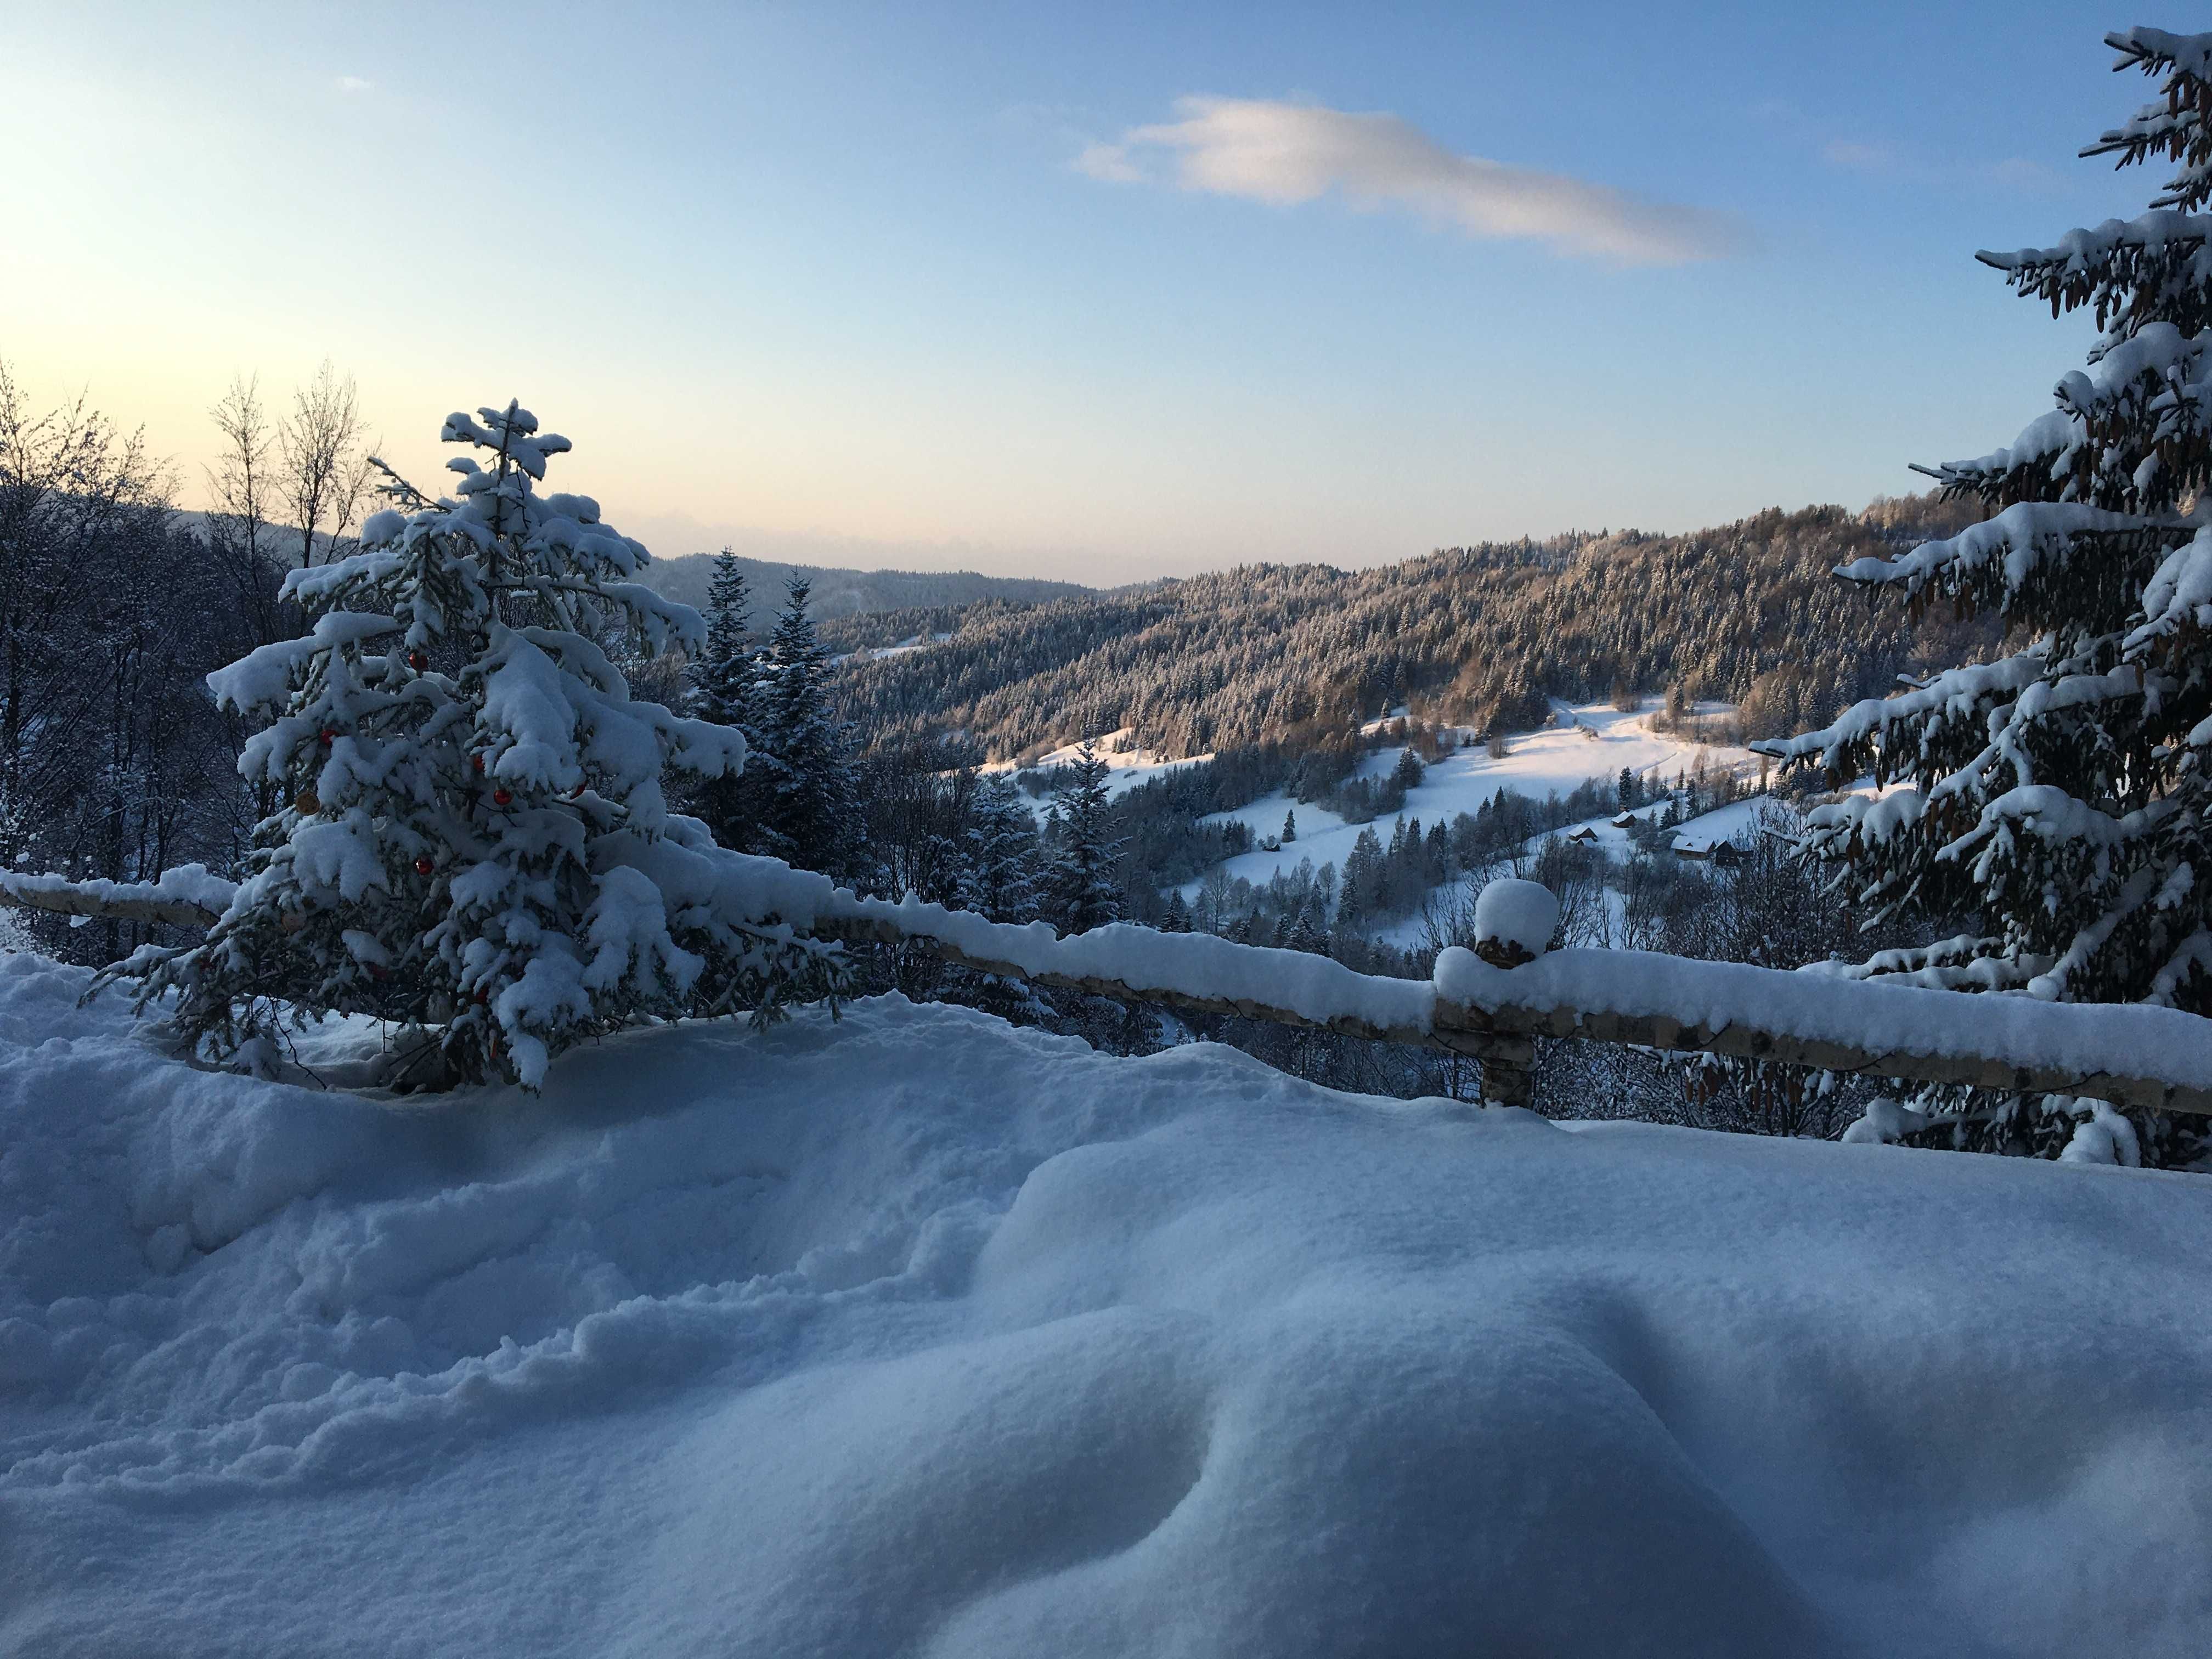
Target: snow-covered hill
(842,592)
(1594,740)
(918,1334)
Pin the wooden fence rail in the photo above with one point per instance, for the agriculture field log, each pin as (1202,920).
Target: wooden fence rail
(2150,1058)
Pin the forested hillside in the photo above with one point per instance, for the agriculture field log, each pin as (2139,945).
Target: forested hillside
(1276,654)
(857,592)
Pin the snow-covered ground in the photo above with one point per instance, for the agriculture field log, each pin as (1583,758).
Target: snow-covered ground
(1600,741)
(866,653)
(1127,765)
(914,1333)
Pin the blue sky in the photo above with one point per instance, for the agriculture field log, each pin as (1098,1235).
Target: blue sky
(982,286)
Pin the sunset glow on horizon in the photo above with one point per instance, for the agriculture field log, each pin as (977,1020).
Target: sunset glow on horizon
(1101,299)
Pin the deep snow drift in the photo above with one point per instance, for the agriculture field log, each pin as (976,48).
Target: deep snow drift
(917,1334)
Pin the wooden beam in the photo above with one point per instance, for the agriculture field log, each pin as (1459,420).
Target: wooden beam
(1508,1058)
(1741,1041)
(24,892)
(1503,1040)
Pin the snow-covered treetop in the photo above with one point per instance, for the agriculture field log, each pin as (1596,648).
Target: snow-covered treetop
(570,556)
(505,570)
(2178,126)
(2136,273)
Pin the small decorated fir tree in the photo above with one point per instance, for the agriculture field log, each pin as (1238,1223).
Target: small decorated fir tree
(2060,794)
(473,802)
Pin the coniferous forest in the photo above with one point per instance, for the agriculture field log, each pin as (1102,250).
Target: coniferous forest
(1478,636)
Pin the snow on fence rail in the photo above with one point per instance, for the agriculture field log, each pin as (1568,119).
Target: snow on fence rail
(2131,1055)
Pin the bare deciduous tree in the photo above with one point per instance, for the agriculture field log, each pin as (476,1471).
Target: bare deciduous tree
(241,535)
(325,459)
(70,484)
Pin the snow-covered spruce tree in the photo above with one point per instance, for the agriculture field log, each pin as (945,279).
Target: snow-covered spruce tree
(723,672)
(1079,890)
(724,690)
(469,792)
(809,798)
(1078,893)
(2060,793)
(995,866)
(998,867)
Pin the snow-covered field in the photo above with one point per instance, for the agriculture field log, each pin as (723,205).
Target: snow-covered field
(866,653)
(1127,765)
(918,1334)
(1601,742)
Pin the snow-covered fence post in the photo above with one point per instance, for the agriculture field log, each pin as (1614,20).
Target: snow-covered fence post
(1514,922)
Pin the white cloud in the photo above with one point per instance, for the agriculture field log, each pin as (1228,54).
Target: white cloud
(353,83)
(1110,162)
(1858,157)
(1282,152)
(2013,173)
(2032,178)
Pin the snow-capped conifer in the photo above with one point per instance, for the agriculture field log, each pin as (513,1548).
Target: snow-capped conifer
(1080,892)
(1000,863)
(724,690)
(1176,919)
(723,673)
(2060,793)
(809,801)
(471,792)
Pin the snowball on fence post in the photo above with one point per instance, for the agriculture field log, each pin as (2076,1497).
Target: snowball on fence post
(1514,921)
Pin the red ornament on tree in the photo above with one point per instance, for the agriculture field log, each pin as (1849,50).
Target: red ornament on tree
(503,797)
(477,761)
(417,661)
(423,866)
(328,737)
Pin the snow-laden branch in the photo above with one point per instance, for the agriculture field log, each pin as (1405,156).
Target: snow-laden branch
(2017,542)
(1957,694)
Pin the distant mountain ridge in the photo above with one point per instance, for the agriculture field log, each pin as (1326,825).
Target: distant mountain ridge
(1746,613)
(839,592)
